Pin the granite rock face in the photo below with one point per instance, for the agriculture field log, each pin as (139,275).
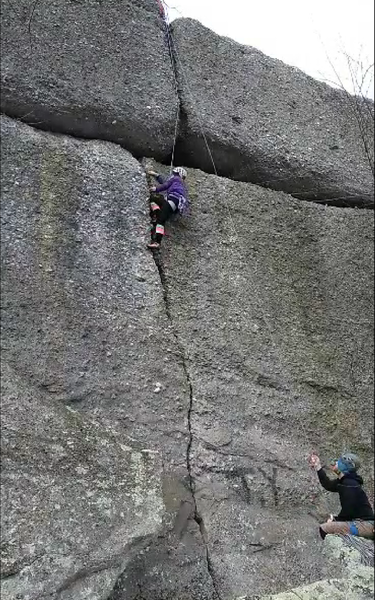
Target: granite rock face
(104,70)
(83,313)
(85,326)
(77,501)
(272,301)
(91,69)
(269,123)
(248,347)
(357,583)
(159,410)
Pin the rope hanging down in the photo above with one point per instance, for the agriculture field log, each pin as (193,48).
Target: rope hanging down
(165,17)
(161,8)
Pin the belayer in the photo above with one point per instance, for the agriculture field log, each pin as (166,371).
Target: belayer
(168,198)
(356,516)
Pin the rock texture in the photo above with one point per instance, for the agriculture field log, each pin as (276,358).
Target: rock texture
(83,313)
(84,324)
(92,69)
(159,410)
(272,301)
(358,583)
(77,501)
(357,587)
(269,123)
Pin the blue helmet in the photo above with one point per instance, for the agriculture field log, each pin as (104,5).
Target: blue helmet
(348,463)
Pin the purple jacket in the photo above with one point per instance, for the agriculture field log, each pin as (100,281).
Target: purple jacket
(173,186)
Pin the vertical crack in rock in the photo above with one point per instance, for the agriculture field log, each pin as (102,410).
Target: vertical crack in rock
(196,515)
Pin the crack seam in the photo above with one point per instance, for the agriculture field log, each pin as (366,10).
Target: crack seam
(50,128)
(181,351)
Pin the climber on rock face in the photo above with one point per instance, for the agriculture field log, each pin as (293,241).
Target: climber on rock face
(356,516)
(162,208)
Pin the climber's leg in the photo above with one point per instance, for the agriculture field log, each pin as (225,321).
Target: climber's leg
(365,529)
(156,202)
(162,215)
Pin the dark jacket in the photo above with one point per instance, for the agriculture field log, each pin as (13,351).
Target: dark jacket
(354,502)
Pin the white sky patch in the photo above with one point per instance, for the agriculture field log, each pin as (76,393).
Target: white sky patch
(311,35)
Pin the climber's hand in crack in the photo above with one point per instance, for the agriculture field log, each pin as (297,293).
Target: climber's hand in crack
(153,188)
(153,173)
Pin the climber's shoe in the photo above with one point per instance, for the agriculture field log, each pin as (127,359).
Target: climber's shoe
(153,246)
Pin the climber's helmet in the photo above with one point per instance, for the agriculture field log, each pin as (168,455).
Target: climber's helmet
(180,171)
(348,463)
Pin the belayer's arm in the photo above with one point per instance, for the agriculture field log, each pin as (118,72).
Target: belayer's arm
(328,484)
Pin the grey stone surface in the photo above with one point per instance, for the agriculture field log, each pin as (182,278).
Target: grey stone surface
(272,299)
(92,69)
(356,584)
(170,569)
(351,550)
(83,313)
(256,350)
(269,123)
(84,324)
(356,587)
(78,502)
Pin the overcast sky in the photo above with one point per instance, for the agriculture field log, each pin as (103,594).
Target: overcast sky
(308,34)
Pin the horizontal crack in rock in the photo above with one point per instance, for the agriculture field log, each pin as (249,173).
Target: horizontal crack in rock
(46,124)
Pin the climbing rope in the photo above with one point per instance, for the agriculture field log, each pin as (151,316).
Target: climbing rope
(204,136)
(163,8)
(363,546)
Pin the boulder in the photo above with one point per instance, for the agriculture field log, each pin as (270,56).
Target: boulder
(91,69)
(269,123)
(78,502)
(272,299)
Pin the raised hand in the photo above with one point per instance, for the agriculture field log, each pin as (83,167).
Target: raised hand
(314,462)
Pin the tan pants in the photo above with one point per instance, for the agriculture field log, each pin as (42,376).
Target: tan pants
(365,528)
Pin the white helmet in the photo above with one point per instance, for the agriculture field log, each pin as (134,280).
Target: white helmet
(180,171)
